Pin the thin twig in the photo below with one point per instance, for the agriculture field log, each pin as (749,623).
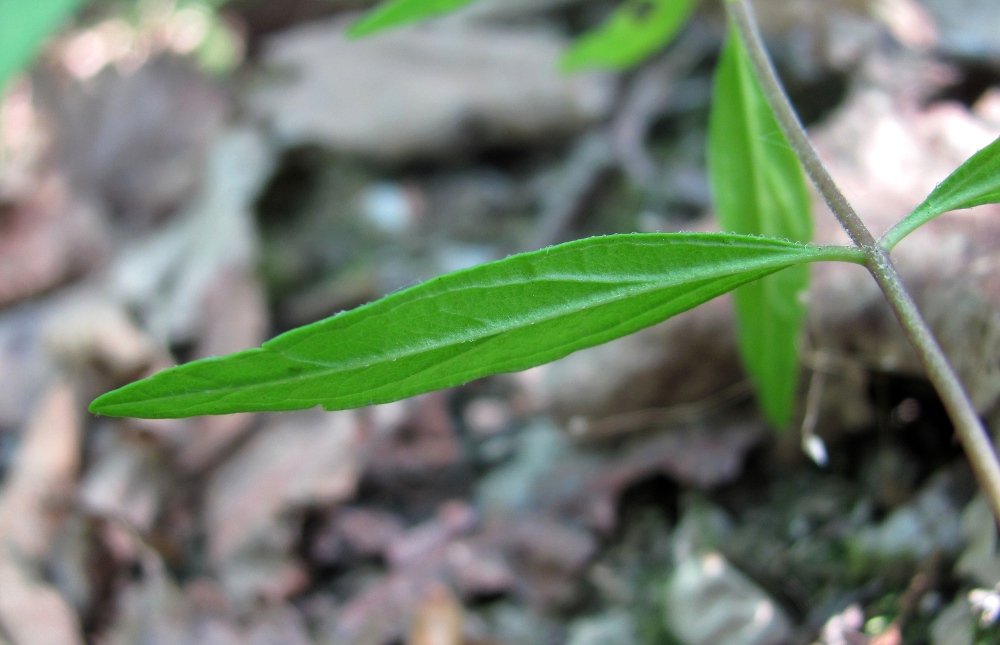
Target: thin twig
(812,445)
(788,119)
(969,428)
(626,422)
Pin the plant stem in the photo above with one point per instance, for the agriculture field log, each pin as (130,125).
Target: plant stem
(788,119)
(968,426)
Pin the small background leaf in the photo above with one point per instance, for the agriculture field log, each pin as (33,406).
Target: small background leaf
(974,183)
(636,30)
(503,316)
(759,189)
(24,25)
(394,13)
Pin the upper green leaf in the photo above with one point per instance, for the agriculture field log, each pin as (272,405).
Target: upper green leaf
(974,183)
(637,29)
(759,188)
(503,316)
(24,24)
(393,13)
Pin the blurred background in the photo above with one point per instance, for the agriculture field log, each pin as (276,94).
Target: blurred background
(181,179)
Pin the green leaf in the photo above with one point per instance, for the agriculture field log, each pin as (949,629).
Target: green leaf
(759,189)
(974,183)
(394,13)
(637,29)
(504,316)
(24,24)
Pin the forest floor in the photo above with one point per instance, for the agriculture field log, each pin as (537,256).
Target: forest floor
(153,213)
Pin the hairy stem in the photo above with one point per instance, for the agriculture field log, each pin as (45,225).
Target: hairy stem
(969,428)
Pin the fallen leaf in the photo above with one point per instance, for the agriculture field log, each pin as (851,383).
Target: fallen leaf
(437,89)
(127,480)
(31,611)
(414,438)
(33,503)
(40,486)
(47,237)
(419,559)
(94,336)
(296,461)
(135,143)
(164,276)
(354,532)
(26,370)
(156,609)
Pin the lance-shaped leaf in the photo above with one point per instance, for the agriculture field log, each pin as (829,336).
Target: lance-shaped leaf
(974,183)
(504,316)
(759,189)
(24,24)
(394,13)
(634,31)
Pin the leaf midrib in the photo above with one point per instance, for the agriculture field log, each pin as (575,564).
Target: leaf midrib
(332,369)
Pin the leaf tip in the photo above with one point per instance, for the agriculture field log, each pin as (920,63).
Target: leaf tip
(121,402)
(101,404)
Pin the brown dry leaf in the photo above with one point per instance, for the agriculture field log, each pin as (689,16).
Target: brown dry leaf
(358,531)
(453,519)
(47,236)
(135,143)
(543,557)
(89,330)
(25,368)
(95,339)
(128,481)
(38,490)
(151,607)
(424,92)
(535,557)
(585,484)
(35,497)
(413,437)
(438,620)
(164,277)
(908,21)
(987,107)
(155,609)
(31,611)
(701,456)
(298,460)
(419,558)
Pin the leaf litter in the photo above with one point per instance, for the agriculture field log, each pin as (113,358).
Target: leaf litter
(503,511)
